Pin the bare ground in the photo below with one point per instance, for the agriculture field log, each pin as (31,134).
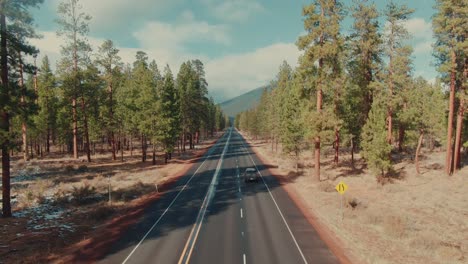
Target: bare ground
(414,219)
(68,200)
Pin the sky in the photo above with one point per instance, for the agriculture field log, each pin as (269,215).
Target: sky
(241,42)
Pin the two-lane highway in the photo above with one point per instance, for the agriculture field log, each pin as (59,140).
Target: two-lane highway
(212,216)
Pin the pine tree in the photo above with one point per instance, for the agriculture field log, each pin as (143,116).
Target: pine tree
(74,28)
(19,32)
(110,61)
(375,148)
(169,115)
(192,91)
(425,112)
(146,101)
(364,61)
(46,120)
(92,93)
(126,110)
(263,113)
(11,13)
(396,73)
(321,45)
(450,30)
(292,134)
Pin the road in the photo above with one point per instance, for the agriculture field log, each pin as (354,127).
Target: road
(212,216)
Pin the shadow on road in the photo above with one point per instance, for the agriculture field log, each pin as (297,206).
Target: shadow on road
(185,205)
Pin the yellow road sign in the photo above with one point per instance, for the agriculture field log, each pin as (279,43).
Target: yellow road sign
(341,187)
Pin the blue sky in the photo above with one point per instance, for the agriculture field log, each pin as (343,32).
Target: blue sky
(241,42)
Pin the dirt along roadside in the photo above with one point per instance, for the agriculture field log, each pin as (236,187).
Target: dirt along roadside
(414,219)
(61,207)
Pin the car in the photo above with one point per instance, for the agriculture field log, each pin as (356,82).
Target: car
(251,174)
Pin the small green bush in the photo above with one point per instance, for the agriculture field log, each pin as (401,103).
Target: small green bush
(83,194)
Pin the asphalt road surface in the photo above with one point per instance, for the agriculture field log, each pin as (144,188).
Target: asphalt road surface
(213,216)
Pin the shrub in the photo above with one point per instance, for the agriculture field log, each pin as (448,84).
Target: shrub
(69,168)
(101,212)
(133,192)
(82,168)
(83,194)
(60,198)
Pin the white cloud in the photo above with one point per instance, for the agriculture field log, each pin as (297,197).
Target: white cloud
(419,28)
(48,45)
(421,34)
(109,14)
(233,75)
(233,10)
(175,36)
(162,41)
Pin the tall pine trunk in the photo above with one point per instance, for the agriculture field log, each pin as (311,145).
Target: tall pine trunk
(189,140)
(319,104)
(458,136)
(184,136)
(111,115)
(24,127)
(401,137)
(418,150)
(317,137)
(4,115)
(337,145)
(352,151)
(131,146)
(448,157)
(143,148)
(154,153)
(86,130)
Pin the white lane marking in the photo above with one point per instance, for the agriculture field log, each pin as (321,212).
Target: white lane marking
(167,209)
(241,211)
(190,244)
(242,233)
(239,189)
(277,207)
(245,261)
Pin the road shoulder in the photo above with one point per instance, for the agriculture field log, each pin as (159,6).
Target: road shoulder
(331,240)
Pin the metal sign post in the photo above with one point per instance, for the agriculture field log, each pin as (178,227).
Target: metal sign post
(341,188)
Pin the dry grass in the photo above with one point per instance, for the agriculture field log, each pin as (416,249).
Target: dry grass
(66,199)
(415,219)
(133,192)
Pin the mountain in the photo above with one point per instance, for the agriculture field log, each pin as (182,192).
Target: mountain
(242,102)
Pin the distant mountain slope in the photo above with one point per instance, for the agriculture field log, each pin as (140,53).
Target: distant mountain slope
(242,102)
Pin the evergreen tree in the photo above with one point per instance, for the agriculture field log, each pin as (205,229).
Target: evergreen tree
(19,32)
(74,29)
(11,13)
(292,133)
(321,45)
(396,74)
(169,115)
(364,62)
(146,101)
(192,91)
(425,112)
(126,110)
(110,61)
(450,30)
(375,148)
(46,120)
(93,94)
